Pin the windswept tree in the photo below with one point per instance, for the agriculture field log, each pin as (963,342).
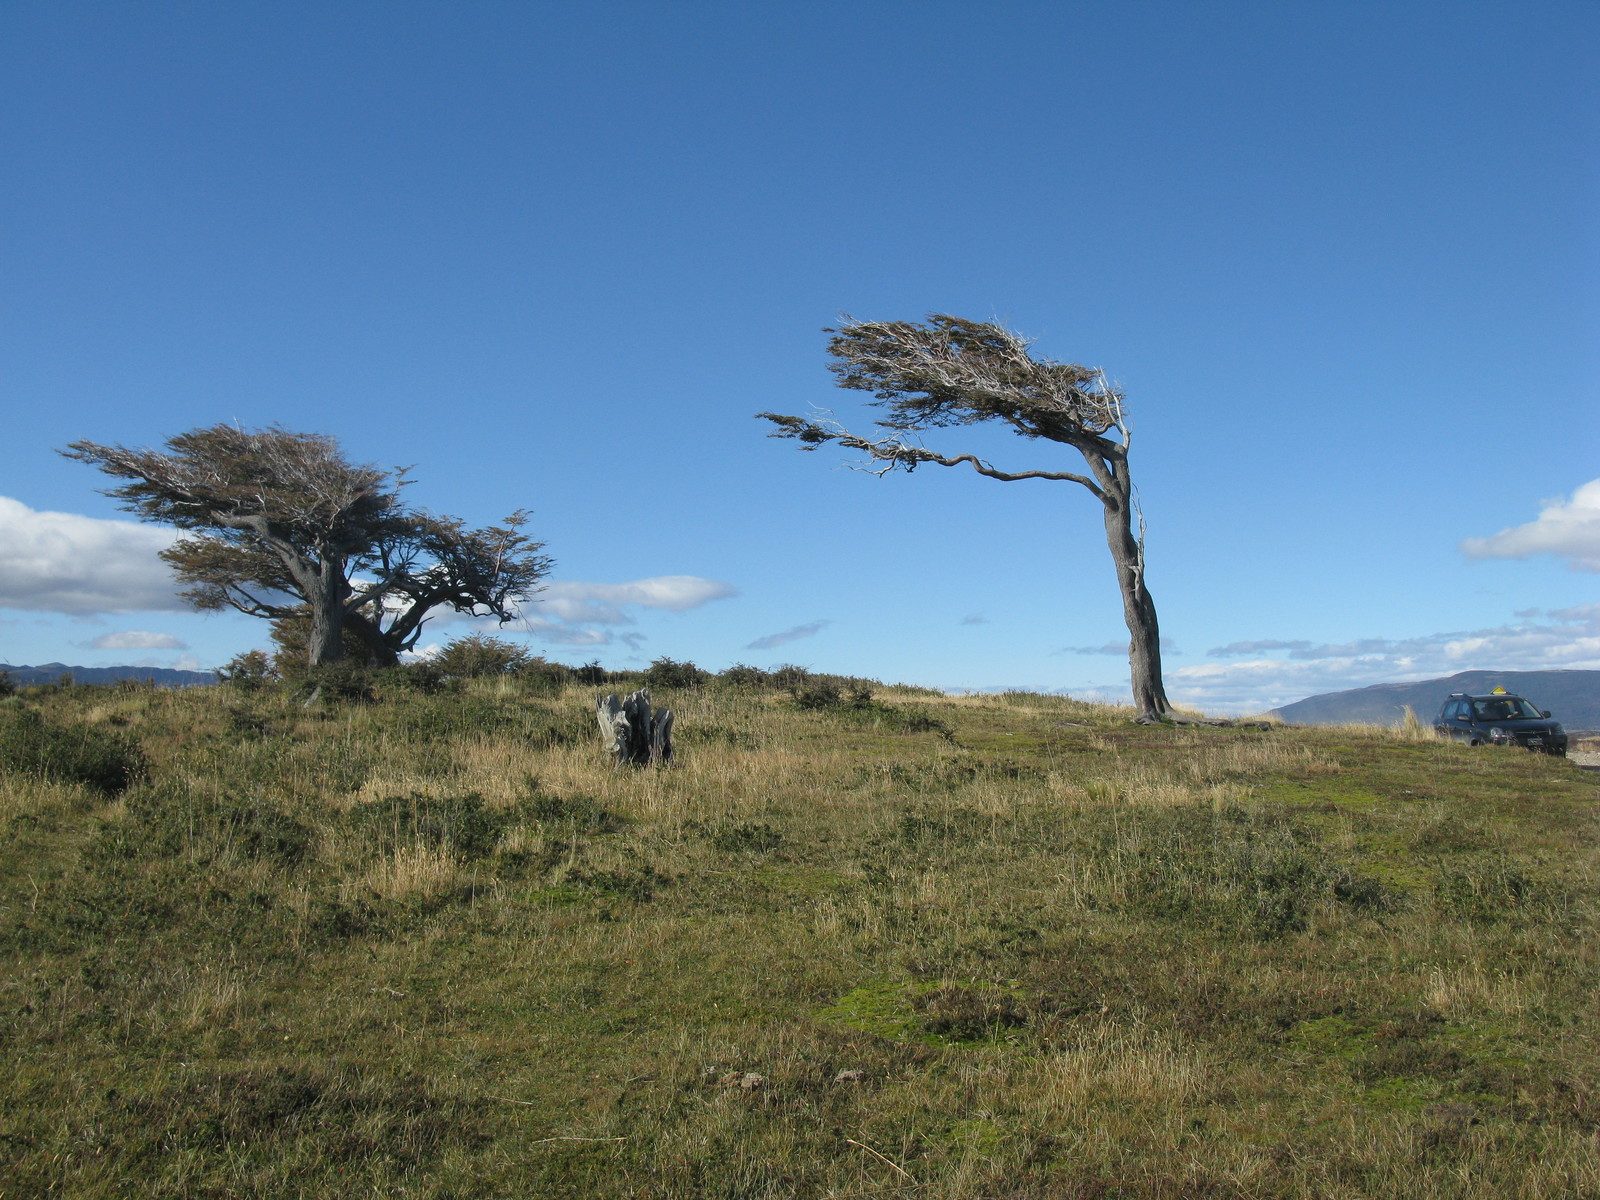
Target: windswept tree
(282,525)
(950,372)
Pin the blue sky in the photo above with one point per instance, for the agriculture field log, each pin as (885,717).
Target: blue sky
(1342,258)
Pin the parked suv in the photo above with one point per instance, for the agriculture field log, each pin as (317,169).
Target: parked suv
(1500,719)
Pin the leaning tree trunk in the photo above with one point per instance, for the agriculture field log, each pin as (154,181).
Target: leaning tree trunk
(632,734)
(1138,609)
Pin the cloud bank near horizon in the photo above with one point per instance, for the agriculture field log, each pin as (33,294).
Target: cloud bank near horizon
(1563,639)
(56,562)
(138,639)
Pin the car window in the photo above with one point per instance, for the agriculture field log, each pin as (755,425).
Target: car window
(1504,708)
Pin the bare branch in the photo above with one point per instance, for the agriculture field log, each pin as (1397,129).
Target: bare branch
(898,452)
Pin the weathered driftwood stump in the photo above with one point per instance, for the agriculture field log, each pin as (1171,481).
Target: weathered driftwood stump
(632,735)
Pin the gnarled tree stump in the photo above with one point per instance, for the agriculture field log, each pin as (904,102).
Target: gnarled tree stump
(632,734)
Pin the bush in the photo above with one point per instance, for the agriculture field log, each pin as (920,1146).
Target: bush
(832,691)
(741,675)
(591,673)
(668,673)
(789,676)
(420,676)
(478,655)
(250,671)
(822,693)
(540,675)
(167,820)
(342,680)
(459,824)
(101,758)
(581,813)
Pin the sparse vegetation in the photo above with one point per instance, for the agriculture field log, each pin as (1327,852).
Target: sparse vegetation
(430,943)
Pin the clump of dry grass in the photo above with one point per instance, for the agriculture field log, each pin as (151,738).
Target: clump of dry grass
(414,872)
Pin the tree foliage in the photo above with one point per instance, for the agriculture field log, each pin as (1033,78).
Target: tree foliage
(282,525)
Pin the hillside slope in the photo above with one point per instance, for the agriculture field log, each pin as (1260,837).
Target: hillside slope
(956,948)
(1572,696)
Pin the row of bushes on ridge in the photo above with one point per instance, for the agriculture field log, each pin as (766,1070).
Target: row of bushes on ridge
(479,656)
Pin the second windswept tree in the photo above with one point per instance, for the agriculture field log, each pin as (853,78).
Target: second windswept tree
(282,525)
(950,371)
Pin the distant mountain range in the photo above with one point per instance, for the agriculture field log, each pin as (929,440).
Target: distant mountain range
(160,676)
(1573,698)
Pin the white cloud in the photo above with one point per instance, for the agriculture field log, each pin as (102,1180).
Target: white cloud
(65,563)
(138,639)
(573,613)
(788,635)
(605,603)
(1237,648)
(1568,529)
(1566,638)
(567,635)
(1116,649)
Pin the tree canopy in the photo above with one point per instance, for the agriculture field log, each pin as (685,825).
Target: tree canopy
(281,525)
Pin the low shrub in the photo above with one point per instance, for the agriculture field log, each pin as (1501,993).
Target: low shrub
(250,671)
(164,821)
(342,680)
(102,758)
(821,693)
(741,675)
(540,676)
(737,837)
(460,824)
(478,655)
(583,813)
(669,673)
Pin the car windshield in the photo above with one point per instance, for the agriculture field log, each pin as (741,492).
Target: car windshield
(1504,708)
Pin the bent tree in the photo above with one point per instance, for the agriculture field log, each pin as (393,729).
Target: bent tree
(281,525)
(949,372)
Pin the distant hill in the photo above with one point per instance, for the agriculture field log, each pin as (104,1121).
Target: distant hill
(160,676)
(1573,698)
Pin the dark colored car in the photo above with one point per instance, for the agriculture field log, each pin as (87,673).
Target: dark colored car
(1500,719)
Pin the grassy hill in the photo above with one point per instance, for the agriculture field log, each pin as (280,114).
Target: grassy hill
(987,946)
